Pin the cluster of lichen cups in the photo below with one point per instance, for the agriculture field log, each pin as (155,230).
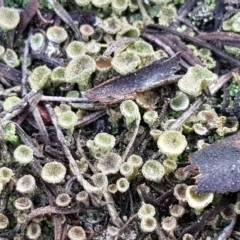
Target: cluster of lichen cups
(107,163)
(9,19)
(85,59)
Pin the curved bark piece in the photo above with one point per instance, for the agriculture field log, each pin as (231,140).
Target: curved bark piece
(126,86)
(219,166)
(26,16)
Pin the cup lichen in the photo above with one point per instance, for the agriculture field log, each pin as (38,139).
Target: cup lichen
(172,143)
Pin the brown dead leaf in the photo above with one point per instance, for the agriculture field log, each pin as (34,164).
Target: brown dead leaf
(219,166)
(126,86)
(26,16)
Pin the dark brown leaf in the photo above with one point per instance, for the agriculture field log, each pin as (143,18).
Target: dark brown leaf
(26,16)
(126,87)
(219,166)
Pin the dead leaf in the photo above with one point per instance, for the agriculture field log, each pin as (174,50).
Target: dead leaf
(126,86)
(26,16)
(219,166)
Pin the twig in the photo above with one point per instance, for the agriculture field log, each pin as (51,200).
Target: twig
(132,138)
(146,19)
(44,19)
(10,91)
(10,73)
(32,106)
(24,66)
(63,14)
(188,113)
(27,141)
(112,210)
(86,185)
(90,118)
(4,81)
(199,43)
(130,220)
(177,46)
(161,115)
(115,45)
(219,9)
(48,210)
(64,99)
(164,46)
(50,60)
(183,11)
(41,126)
(188,23)
(227,231)
(69,183)
(19,107)
(12,233)
(81,152)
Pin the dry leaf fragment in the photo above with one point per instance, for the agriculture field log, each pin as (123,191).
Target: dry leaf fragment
(125,87)
(26,16)
(219,166)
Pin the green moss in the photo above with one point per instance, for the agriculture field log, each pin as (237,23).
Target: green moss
(217,198)
(233,89)
(16,3)
(213,138)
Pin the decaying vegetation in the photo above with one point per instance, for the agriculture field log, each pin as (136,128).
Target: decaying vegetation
(114,116)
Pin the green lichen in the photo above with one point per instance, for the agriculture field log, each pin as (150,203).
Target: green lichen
(232,24)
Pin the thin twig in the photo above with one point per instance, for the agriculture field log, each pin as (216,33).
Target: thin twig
(54,61)
(115,45)
(82,153)
(64,99)
(146,19)
(199,43)
(112,210)
(10,91)
(132,138)
(20,106)
(164,46)
(219,9)
(90,118)
(41,126)
(32,106)
(64,15)
(227,231)
(28,141)
(44,19)
(48,210)
(4,81)
(24,66)
(188,113)
(130,220)
(183,11)
(86,185)
(67,152)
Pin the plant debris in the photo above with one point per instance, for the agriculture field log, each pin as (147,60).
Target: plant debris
(159,73)
(96,97)
(219,166)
